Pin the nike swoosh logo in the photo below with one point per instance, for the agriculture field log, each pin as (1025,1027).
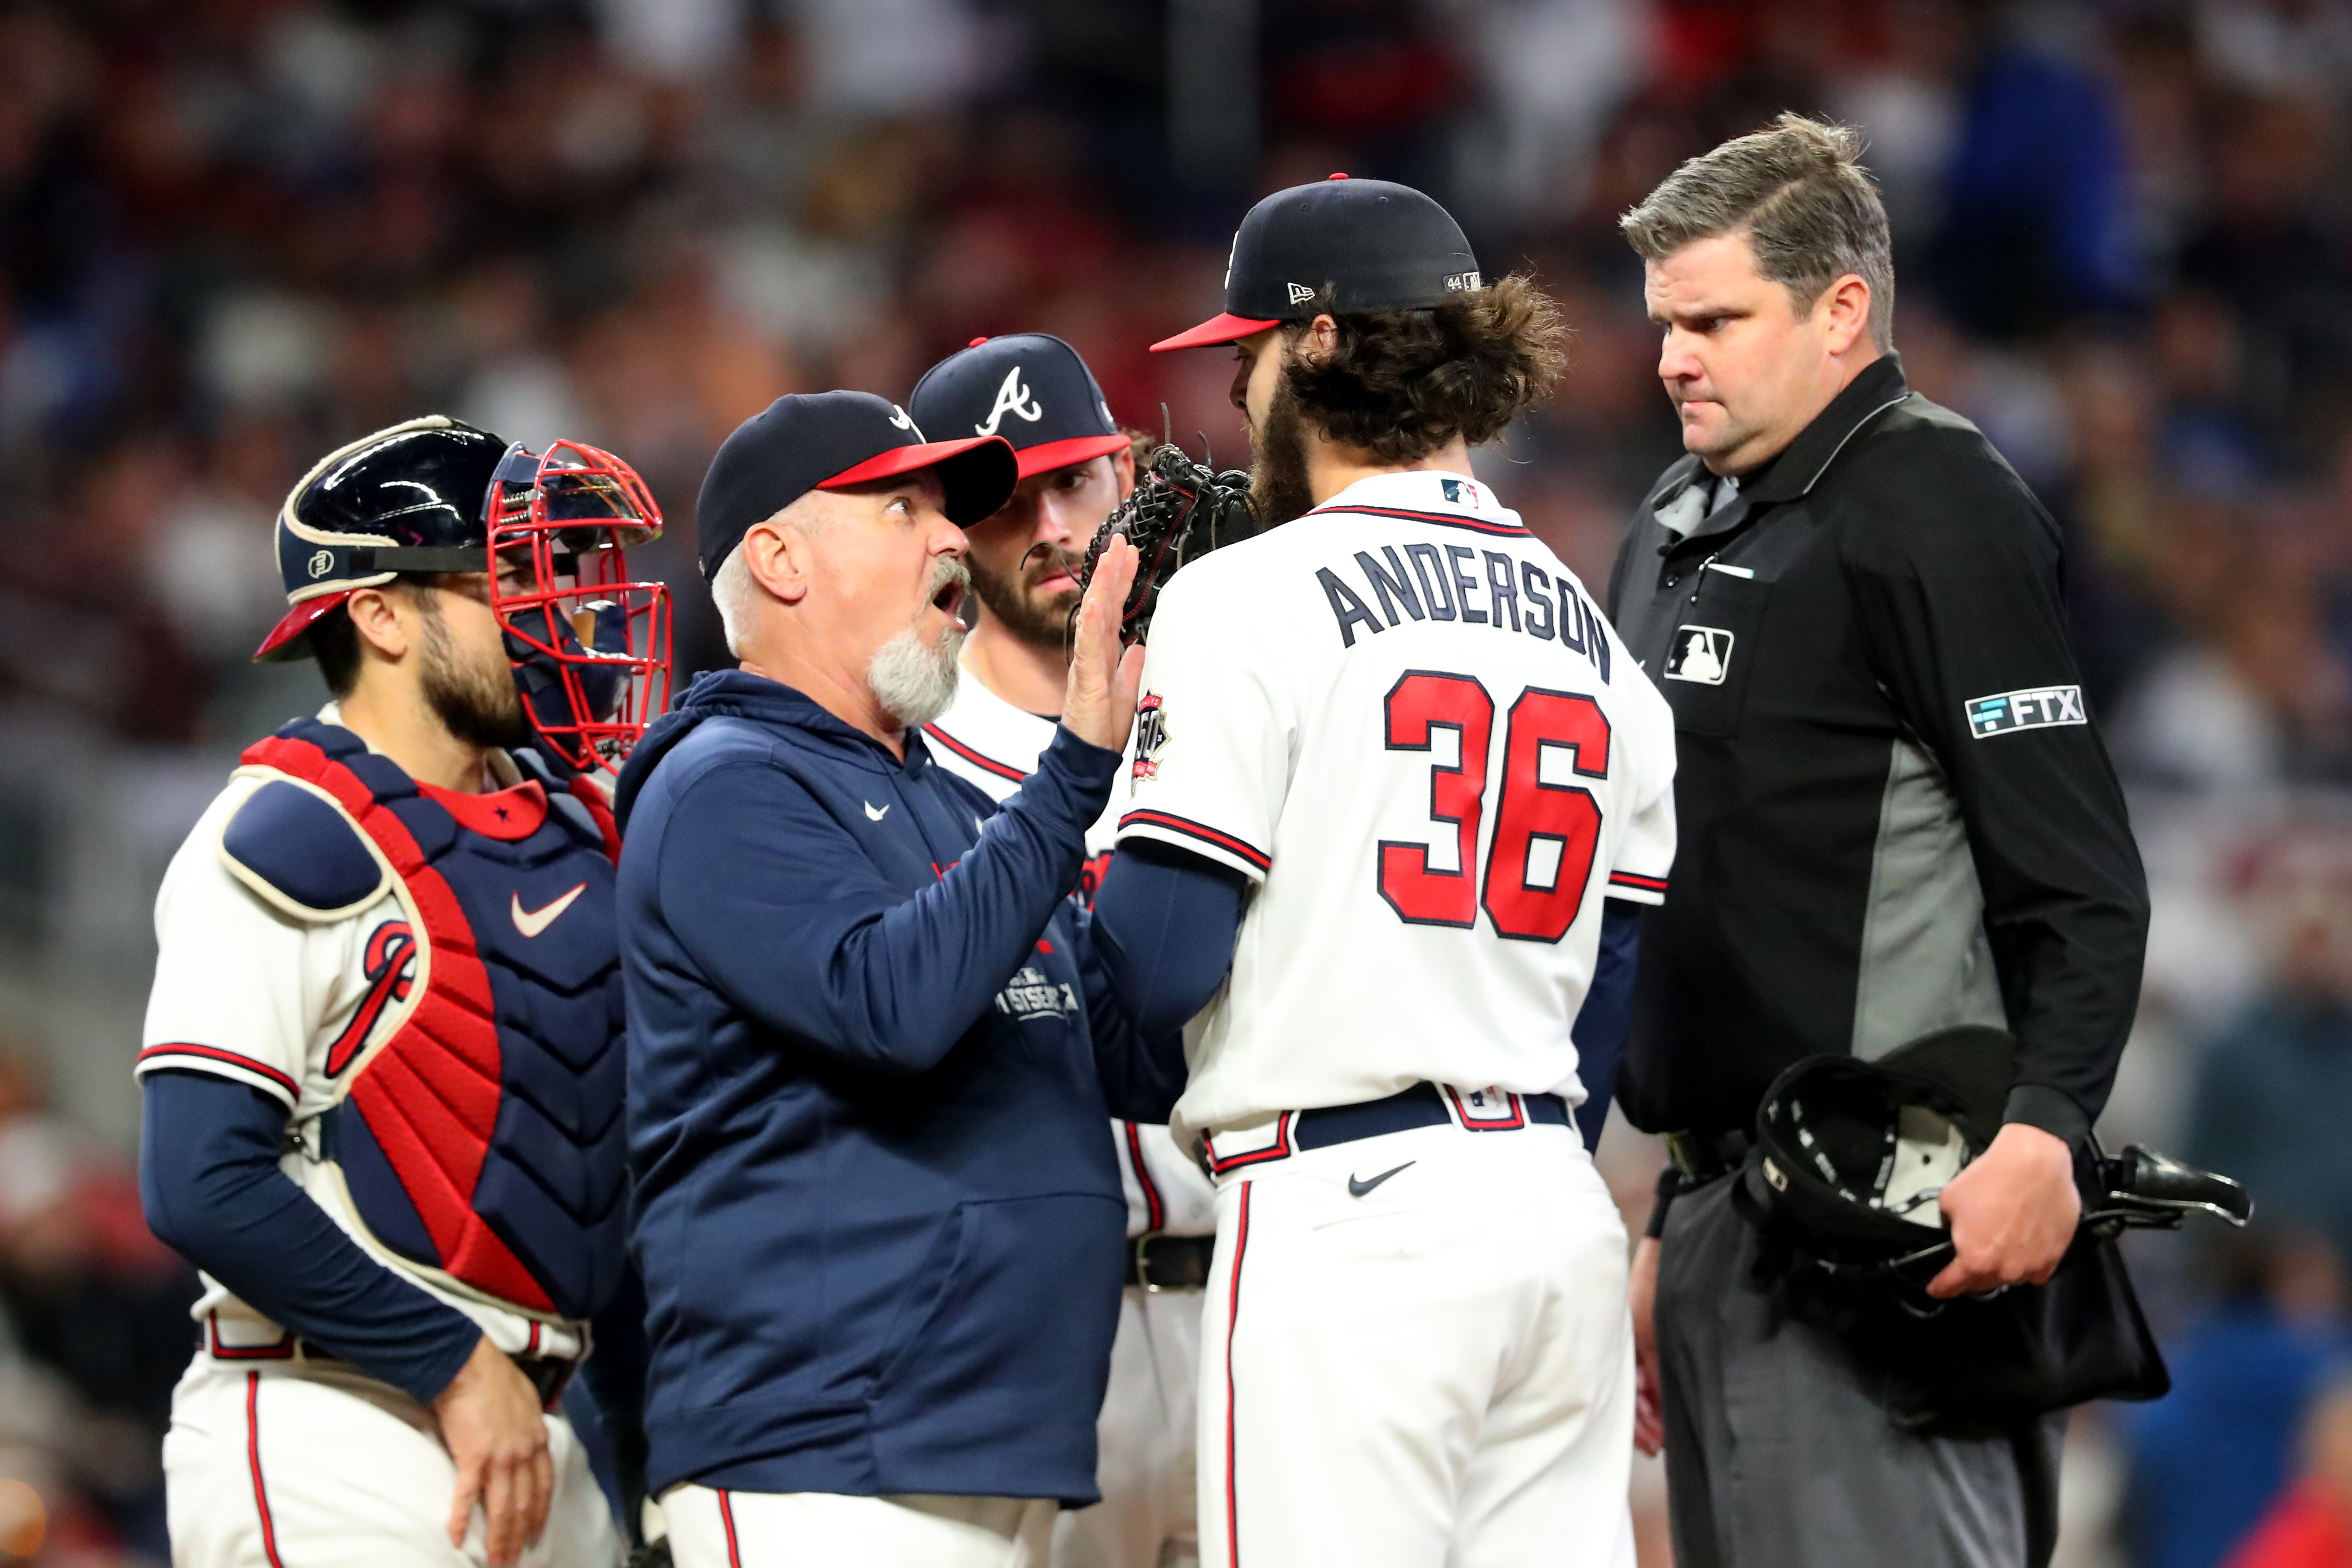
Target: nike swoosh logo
(1358,1186)
(530,922)
(876,812)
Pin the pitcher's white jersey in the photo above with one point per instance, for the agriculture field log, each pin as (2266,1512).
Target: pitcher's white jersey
(1404,719)
(289,1007)
(996,745)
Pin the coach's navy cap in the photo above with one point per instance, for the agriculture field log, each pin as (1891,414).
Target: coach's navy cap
(1376,245)
(831,440)
(1030,388)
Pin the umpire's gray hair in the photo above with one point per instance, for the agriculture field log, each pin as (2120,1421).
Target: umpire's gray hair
(1808,207)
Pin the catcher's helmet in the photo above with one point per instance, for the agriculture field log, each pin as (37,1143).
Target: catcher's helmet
(590,647)
(408,499)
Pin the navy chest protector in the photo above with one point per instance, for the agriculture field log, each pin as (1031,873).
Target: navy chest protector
(479,1129)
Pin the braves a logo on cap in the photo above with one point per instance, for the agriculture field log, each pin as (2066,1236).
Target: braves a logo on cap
(1701,654)
(1013,397)
(899,417)
(1150,734)
(1299,293)
(322,562)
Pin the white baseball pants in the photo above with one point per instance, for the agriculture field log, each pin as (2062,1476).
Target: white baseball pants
(1148,1436)
(711,1529)
(1436,1374)
(295,1464)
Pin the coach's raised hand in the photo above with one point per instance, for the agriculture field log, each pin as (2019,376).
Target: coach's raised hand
(1098,703)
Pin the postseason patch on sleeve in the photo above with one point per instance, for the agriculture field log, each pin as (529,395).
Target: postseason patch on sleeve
(2035,707)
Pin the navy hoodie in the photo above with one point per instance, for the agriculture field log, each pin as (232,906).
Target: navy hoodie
(871,1063)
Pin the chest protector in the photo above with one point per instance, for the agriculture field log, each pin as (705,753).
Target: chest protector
(477,1122)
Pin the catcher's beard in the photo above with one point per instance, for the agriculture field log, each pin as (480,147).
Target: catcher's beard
(475,700)
(1278,490)
(915,680)
(1041,620)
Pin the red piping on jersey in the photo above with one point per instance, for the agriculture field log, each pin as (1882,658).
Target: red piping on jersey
(1200,830)
(1280,1150)
(1637,880)
(988,764)
(1232,1322)
(253,1458)
(601,810)
(1155,1213)
(727,1518)
(431,1095)
(1444,520)
(213,1053)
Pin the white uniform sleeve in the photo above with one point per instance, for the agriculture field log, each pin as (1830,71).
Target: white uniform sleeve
(1645,849)
(231,983)
(1213,745)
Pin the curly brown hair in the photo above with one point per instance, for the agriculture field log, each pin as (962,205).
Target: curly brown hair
(1401,384)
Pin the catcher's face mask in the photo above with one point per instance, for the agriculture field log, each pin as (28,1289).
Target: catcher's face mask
(589,644)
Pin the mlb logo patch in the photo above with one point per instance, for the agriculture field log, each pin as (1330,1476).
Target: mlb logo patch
(1700,654)
(1459,492)
(2035,708)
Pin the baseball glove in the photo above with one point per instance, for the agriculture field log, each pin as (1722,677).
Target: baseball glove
(1179,512)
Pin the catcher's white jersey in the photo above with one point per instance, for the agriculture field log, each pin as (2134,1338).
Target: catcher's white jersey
(1407,721)
(996,745)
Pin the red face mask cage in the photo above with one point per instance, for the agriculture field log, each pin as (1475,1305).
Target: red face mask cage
(589,644)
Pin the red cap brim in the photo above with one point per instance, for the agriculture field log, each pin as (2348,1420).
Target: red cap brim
(977,473)
(899,460)
(1047,456)
(295,622)
(1214,330)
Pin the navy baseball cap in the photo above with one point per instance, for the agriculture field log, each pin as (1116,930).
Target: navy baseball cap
(1376,245)
(829,441)
(1031,388)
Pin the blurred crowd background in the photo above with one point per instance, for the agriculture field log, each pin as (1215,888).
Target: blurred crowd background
(236,233)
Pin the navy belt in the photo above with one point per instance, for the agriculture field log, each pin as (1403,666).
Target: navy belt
(1422,1105)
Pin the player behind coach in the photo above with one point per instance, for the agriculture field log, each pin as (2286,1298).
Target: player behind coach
(1025,558)
(870,1068)
(1398,776)
(1896,816)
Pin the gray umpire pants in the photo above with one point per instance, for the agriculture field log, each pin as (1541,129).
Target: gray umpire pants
(1780,1452)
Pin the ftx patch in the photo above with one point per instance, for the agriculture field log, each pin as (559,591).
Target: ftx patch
(2036,708)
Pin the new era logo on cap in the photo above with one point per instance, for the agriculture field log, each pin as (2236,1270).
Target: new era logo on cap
(1032,389)
(1375,245)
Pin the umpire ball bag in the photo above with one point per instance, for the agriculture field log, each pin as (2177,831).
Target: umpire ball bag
(1843,1183)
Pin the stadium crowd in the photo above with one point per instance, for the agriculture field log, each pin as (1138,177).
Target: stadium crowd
(236,233)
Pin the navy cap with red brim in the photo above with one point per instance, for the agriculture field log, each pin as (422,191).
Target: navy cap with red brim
(1348,246)
(830,441)
(1223,329)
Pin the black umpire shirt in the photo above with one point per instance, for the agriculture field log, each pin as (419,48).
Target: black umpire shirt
(1894,813)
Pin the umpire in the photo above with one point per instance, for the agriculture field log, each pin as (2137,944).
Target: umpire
(1895,817)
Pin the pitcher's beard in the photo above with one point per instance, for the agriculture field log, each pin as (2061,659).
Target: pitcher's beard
(478,702)
(1278,488)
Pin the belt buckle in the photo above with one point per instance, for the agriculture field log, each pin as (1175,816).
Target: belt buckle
(1143,1262)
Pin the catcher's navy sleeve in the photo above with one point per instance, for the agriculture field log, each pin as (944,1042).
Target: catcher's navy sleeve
(1164,925)
(209,1182)
(1607,1012)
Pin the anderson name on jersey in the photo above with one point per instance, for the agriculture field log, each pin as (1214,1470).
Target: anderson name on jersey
(1403,718)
